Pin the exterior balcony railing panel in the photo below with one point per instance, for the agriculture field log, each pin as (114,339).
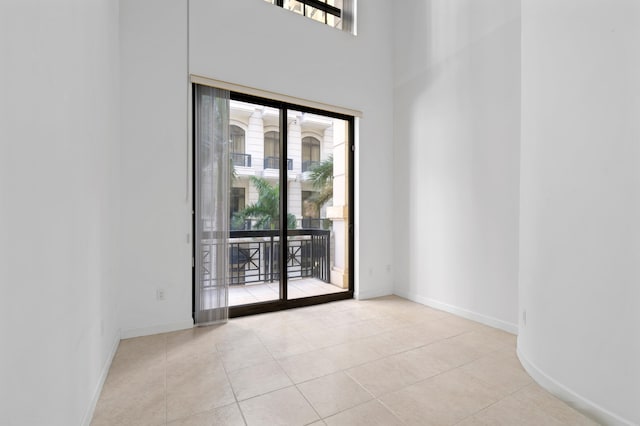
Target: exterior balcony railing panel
(309,165)
(274,163)
(241,160)
(254,256)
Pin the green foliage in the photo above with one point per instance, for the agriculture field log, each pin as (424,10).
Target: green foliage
(321,176)
(266,211)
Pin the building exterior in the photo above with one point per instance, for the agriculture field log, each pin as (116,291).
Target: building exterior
(312,139)
(255,152)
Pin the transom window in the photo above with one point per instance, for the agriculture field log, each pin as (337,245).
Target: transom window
(335,13)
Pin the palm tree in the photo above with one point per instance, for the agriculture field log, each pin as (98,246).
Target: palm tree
(266,211)
(321,177)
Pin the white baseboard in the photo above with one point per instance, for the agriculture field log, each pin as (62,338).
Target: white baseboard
(572,398)
(103,376)
(157,329)
(461,312)
(371,294)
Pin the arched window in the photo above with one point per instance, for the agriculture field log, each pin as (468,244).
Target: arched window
(237,139)
(271,150)
(237,147)
(310,153)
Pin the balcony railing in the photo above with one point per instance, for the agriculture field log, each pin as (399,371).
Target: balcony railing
(313,223)
(254,255)
(274,163)
(309,165)
(241,160)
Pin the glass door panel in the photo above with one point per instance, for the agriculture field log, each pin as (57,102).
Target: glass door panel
(254,240)
(317,205)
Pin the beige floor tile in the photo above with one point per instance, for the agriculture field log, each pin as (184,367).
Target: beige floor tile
(453,353)
(441,400)
(142,346)
(307,366)
(460,324)
(333,393)
(285,407)
(371,413)
(496,372)
(327,336)
(382,345)
(186,397)
(508,412)
(287,345)
(128,377)
(236,340)
(533,394)
(186,370)
(246,356)
(482,341)
(425,366)
(350,354)
(258,379)
(184,343)
(137,408)
(228,415)
(397,371)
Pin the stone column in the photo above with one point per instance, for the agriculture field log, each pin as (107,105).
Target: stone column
(338,212)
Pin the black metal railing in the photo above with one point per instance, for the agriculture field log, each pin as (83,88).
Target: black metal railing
(241,160)
(254,256)
(309,165)
(274,163)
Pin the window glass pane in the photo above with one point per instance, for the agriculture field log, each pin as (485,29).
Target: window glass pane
(310,153)
(254,243)
(317,200)
(294,5)
(237,140)
(316,14)
(271,150)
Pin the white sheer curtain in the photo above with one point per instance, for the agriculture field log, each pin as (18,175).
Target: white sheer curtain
(349,16)
(212,205)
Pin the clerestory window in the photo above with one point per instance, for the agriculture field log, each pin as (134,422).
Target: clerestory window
(335,13)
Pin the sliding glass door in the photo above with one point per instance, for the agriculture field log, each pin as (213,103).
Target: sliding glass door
(288,211)
(318,194)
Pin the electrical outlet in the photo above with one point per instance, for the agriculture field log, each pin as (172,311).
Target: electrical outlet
(160,294)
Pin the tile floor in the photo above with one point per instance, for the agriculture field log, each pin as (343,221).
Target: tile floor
(301,287)
(385,361)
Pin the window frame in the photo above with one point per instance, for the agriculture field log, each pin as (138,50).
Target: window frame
(286,303)
(324,7)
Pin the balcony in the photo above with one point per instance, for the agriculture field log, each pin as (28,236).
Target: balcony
(274,163)
(309,165)
(240,159)
(254,256)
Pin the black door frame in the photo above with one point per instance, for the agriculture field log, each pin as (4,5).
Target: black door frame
(284,302)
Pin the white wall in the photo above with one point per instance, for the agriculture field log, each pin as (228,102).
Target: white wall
(456,138)
(252,43)
(156,212)
(59,207)
(580,202)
